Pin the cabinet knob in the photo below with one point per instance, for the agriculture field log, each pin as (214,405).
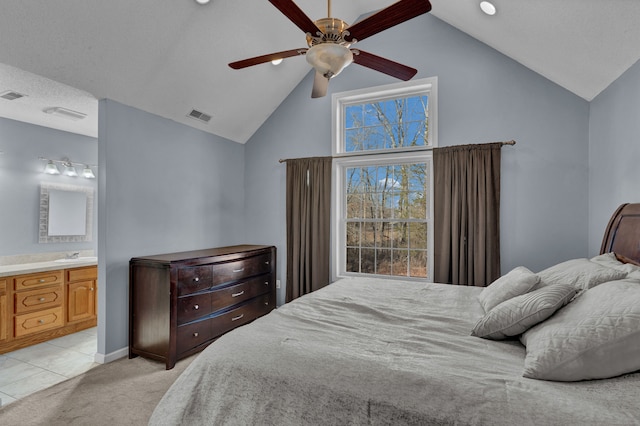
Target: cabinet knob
(41,321)
(266,303)
(42,299)
(41,280)
(195,334)
(196,279)
(91,288)
(266,283)
(196,307)
(266,263)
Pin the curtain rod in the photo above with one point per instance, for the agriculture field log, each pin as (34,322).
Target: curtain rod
(511,142)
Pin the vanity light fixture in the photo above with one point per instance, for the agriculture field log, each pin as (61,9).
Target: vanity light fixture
(51,168)
(87,172)
(488,8)
(69,168)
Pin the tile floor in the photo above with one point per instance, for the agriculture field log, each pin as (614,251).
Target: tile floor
(37,367)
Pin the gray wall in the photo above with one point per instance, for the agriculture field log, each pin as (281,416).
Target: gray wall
(163,187)
(614,151)
(483,96)
(21,174)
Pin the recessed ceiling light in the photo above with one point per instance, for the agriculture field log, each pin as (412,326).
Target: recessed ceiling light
(488,8)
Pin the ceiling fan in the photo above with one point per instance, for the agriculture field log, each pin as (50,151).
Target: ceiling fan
(330,39)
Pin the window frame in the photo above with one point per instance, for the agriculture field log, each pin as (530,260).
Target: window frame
(343,160)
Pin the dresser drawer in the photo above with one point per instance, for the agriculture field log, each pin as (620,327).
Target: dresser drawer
(232,271)
(191,335)
(241,315)
(43,298)
(194,279)
(38,321)
(238,293)
(190,308)
(40,279)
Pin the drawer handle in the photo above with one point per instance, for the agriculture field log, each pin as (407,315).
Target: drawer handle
(266,303)
(195,334)
(42,299)
(196,279)
(196,307)
(238,270)
(266,283)
(91,288)
(237,294)
(266,263)
(237,318)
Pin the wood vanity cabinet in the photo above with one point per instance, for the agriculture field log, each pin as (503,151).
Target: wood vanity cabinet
(45,305)
(4,310)
(181,302)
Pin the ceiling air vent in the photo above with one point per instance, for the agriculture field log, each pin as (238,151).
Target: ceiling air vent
(11,95)
(199,115)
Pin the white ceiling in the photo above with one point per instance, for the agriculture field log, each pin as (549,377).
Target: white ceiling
(170,56)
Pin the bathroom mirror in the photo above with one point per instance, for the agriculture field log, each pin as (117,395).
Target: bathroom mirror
(65,213)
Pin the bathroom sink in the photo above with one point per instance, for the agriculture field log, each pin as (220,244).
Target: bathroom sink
(78,259)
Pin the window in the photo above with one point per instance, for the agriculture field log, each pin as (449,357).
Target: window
(382,180)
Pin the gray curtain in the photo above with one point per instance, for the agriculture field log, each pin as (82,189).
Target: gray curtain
(467,214)
(308,225)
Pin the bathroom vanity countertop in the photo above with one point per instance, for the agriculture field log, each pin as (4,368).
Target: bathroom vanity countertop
(28,268)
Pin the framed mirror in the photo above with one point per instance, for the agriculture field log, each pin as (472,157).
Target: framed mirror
(66,213)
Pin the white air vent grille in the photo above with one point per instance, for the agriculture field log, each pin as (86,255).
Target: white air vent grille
(11,95)
(199,115)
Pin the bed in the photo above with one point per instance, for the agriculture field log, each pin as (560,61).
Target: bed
(375,351)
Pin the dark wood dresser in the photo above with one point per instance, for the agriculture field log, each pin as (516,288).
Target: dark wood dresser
(181,302)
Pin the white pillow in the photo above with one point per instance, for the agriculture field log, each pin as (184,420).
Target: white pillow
(518,281)
(516,315)
(595,336)
(610,260)
(582,273)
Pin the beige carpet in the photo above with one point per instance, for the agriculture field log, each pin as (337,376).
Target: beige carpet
(123,392)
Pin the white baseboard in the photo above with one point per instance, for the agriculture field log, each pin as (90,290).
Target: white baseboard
(110,357)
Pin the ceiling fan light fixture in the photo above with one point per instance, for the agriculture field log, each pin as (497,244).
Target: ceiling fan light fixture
(329,59)
(488,8)
(277,61)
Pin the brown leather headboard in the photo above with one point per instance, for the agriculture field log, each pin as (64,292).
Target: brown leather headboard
(623,232)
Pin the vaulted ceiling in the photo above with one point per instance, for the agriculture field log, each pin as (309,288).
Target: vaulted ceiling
(168,57)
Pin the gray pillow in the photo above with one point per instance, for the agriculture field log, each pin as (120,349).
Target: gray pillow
(582,273)
(518,281)
(596,336)
(516,315)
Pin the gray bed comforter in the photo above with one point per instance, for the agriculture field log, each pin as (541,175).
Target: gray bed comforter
(374,351)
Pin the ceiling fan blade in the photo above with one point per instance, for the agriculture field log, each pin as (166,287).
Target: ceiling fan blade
(266,58)
(389,67)
(320,86)
(395,14)
(296,15)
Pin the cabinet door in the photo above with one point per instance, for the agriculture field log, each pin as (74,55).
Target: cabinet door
(4,310)
(82,300)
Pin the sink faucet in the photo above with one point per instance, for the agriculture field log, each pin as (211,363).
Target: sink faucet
(73,255)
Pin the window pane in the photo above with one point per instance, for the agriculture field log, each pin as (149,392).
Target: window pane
(400,263)
(418,263)
(368,261)
(368,238)
(417,235)
(388,124)
(385,232)
(353,234)
(383,261)
(353,260)
(401,235)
